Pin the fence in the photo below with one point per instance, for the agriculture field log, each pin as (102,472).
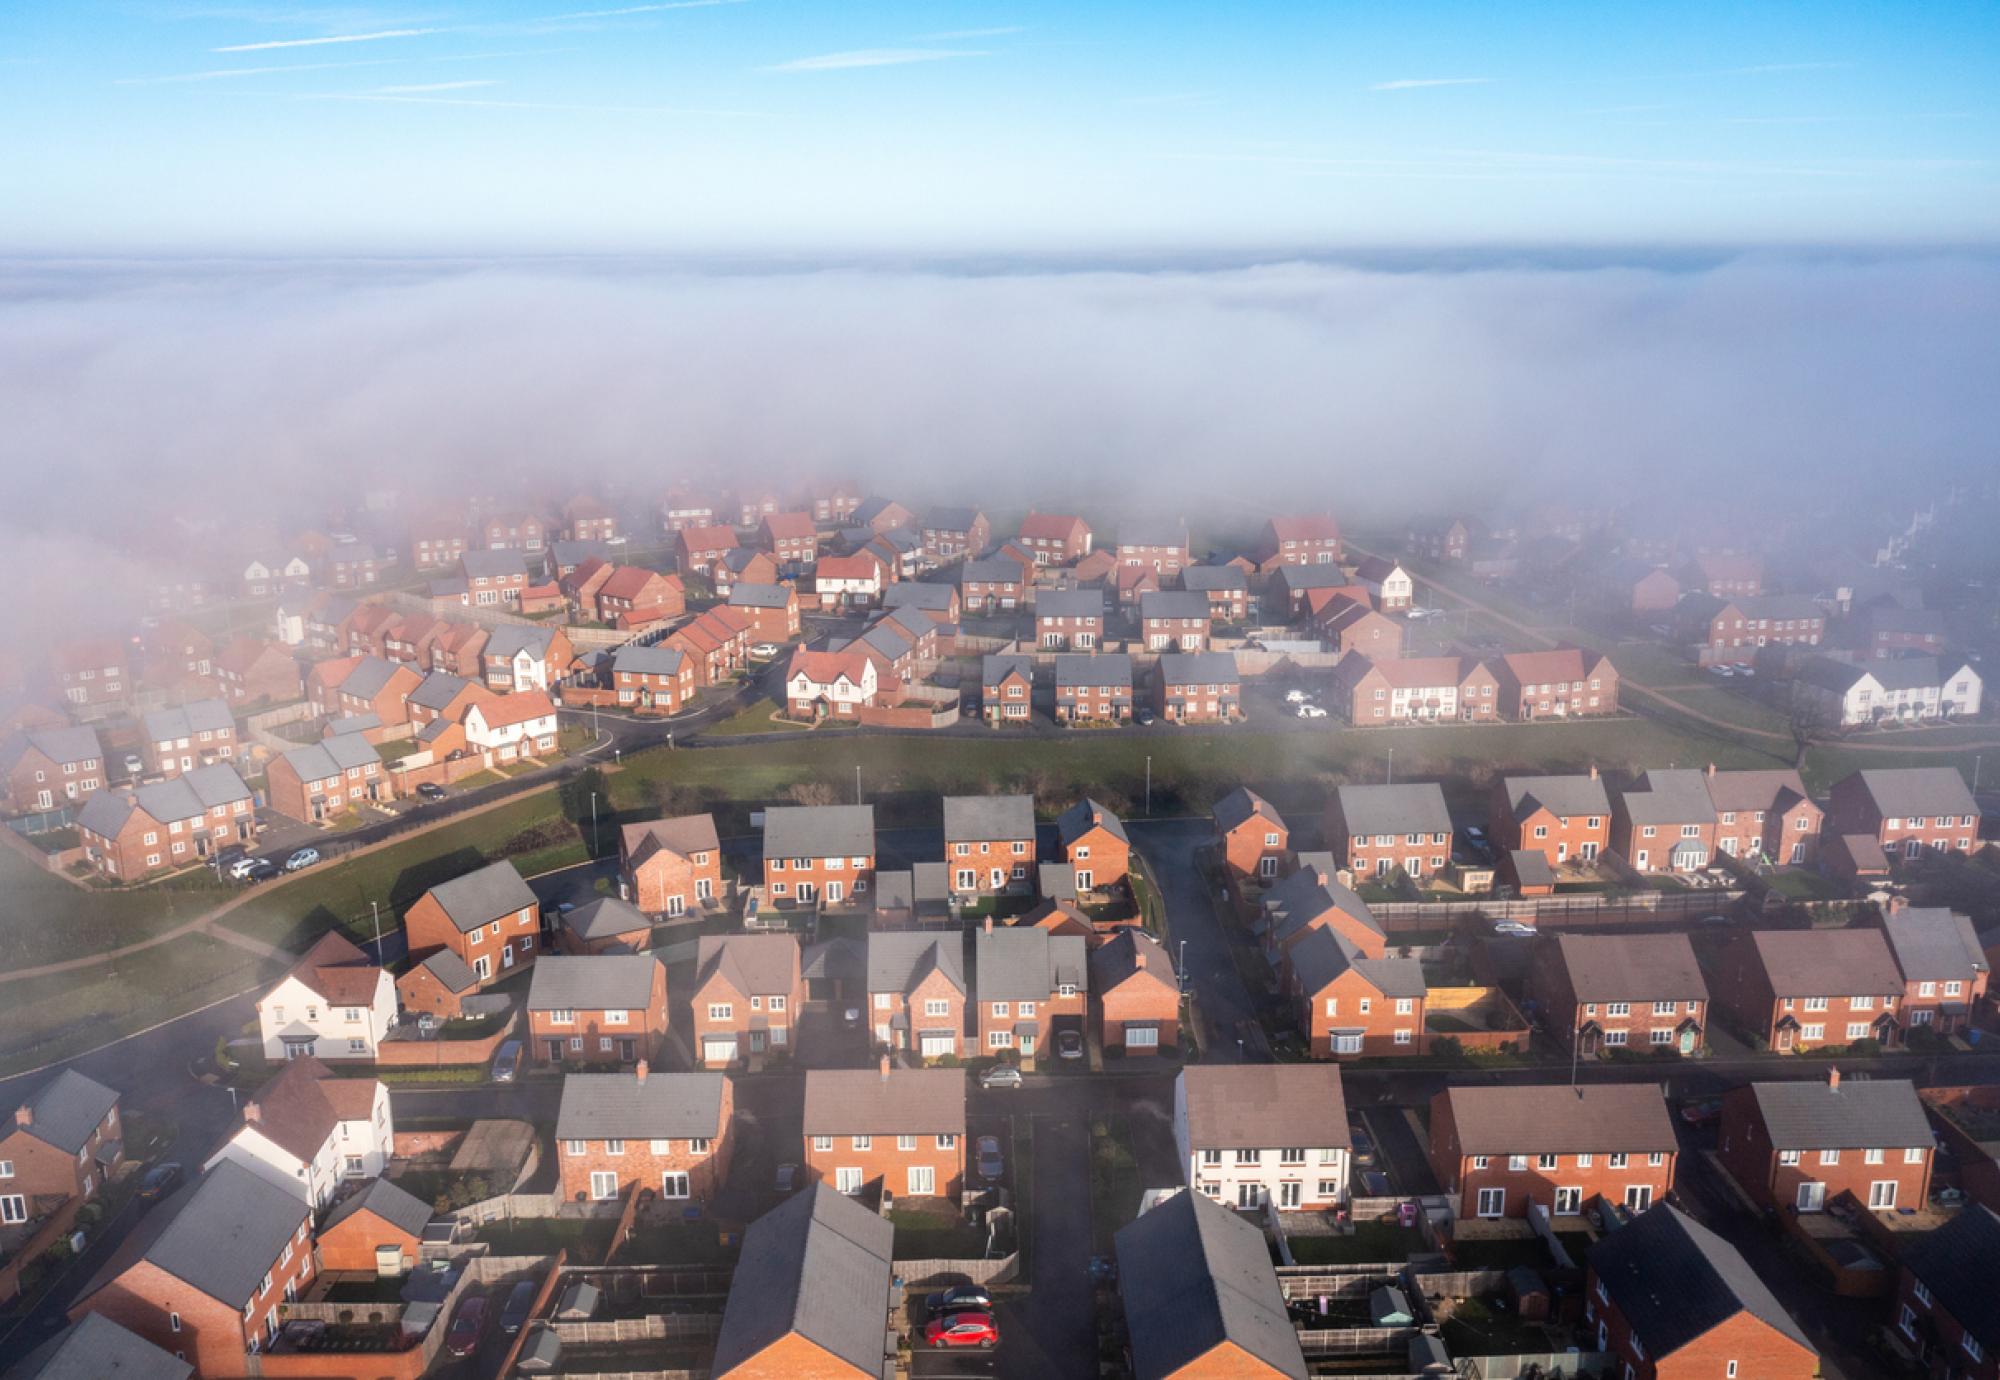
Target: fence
(42,821)
(488,617)
(1000,1271)
(508,1206)
(1582,911)
(415,1050)
(906,716)
(1356,1341)
(652,1327)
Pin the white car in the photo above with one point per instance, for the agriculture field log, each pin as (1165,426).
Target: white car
(764,649)
(1295,697)
(1514,929)
(242,868)
(1311,711)
(1724,671)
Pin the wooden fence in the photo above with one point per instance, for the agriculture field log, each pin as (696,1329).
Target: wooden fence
(1580,911)
(1356,1341)
(508,1206)
(1001,1271)
(651,1327)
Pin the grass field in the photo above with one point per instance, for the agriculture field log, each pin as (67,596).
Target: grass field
(46,919)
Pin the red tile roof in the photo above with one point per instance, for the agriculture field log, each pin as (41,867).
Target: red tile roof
(519,708)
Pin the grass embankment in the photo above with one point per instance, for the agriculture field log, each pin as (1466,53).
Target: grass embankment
(46,919)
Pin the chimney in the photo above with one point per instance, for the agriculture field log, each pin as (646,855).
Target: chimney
(1138,958)
(639,1070)
(1833,1080)
(24,1115)
(885,1068)
(1593,771)
(1711,769)
(989,924)
(1898,904)
(252,1113)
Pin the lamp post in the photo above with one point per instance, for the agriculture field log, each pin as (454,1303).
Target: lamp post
(593,823)
(1183,965)
(1149,783)
(857,783)
(376,908)
(1392,766)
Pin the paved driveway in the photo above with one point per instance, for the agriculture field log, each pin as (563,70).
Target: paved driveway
(1197,941)
(1053,1332)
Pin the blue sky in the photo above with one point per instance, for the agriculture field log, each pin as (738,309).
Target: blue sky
(787,127)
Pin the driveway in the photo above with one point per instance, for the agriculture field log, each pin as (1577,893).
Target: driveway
(1053,1332)
(1230,1031)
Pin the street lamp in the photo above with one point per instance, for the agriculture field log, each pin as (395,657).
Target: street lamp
(376,908)
(1392,766)
(857,783)
(1149,783)
(593,823)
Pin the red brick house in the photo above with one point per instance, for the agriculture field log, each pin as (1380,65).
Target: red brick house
(1731,630)
(252,671)
(130,834)
(989,843)
(1197,688)
(880,514)
(1564,818)
(1349,625)
(1349,1005)
(1131,583)
(1135,997)
(437,544)
(362,1225)
(952,534)
(1374,830)
(773,610)
(1449,541)
(1496,1150)
(494,579)
(668,1134)
(659,679)
(461,650)
(1312,898)
(327,778)
(351,686)
(91,673)
(1618,991)
(749,991)
(1944,1304)
(632,595)
(1799,990)
(1094,845)
(1252,837)
(1944,968)
(1431,689)
(1093,689)
(595,1009)
(607,925)
(44,768)
(1161,547)
(717,641)
(589,518)
(1034,984)
(1226,588)
(917,991)
(835,503)
(994,585)
(1671,1300)
(489,918)
(887,1131)
(1006,688)
(61,1142)
(1724,575)
(818,854)
(1765,814)
(1054,538)
(683,508)
(1307,539)
(200,733)
(940,603)
(670,866)
(1892,632)
(437,985)
(1909,811)
(1174,620)
(697,549)
(789,537)
(1069,620)
(1665,822)
(1563,683)
(1794,1145)
(580,585)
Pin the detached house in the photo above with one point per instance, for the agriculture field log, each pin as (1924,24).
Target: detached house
(994,585)
(129,834)
(1387,583)
(671,1134)
(597,1009)
(1665,822)
(1069,620)
(1248,1134)
(1313,898)
(333,1004)
(669,866)
(814,1294)
(854,581)
(1373,830)
(1349,1004)
(660,679)
(324,779)
(879,514)
(818,854)
(1160,547)
(307,1131)
(789,537)
(1135,996)
(1794,1145)
(1764,814)
(46,767)
(772,610)
(1252,837)
(62,1142)
(489,918)
(1094,844)
(1564,818)
(1347,626)
(833,684)
(1055,538)
(1033,987)
(989,843)
(1805,989)
(1562,1148)
(91,673)
(1006,687)
(1617,991)
(917,991)
(1312,539)
(953,533)
(519,657)
(1944,968)
(1198,688)
(897,1132)
(251,671)
(697,549)
(507,727)
(493,579)
(513,532)
(1564,683)
(1908,811)
(749,990)
(632,596)
(363,685)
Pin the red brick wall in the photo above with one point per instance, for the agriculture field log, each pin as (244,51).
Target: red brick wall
(1139,1000)
(1245,850)
(1108,860)
(351,1243)
(982,857)
(640,1165)
(1759,1350)
(666,875)
(427,927)
(645,1029)
(1745,1148)
(1378,1024)
(1949,1330)
(818,872)
(418,991)
(1095,702)
(1048,1011)
(884,1165)
(717,992)
(1570,840)
(934,987)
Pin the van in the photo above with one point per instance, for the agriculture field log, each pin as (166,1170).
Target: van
(507,1062)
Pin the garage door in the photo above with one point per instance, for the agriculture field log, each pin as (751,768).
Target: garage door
(937,1046)
(718,1051)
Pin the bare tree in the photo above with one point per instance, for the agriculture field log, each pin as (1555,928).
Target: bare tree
(812,793)
(1809,720)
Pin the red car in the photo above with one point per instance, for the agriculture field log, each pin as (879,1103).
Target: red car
(963,1329)
(466,1327)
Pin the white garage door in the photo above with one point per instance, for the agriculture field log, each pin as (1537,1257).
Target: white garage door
(937,1046)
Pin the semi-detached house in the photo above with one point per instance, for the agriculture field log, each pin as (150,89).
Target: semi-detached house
(1251,1134)
(1618,991)
(1006,687)
(1564,818)
(1033,986)
(1795,1146)
(989,843)
(62,1142)
(44,767)
(1665,822)
(1069,619)
(1561,1148)
(893,1132)
(199,733)
(323,779)
(818,854)
(597,1009)
(671,1134)
(130,834)
(1805,989)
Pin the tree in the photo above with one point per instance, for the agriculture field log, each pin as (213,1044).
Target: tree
(812,793)
(1809,720)
(586,803)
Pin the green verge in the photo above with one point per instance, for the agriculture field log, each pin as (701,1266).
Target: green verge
(47,919)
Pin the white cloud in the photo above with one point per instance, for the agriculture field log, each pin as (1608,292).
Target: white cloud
(320,42)
(870,57)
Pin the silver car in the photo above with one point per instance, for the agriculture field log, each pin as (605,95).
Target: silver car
(1000,1076)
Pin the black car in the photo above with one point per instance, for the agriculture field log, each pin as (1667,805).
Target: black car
(159,1180)
(430,790)
(261,869)
(520,1303)
(958,1298)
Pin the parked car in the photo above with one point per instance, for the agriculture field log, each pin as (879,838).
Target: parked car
(987,1162)
(764,650)
(159,1180)
(133,766)
(507,1063)
(304,857)
(1295,697)
(1361,1146)
(1724,671)
(260,870)
(960,1298)
(1716,922)
(1000,1076)
(241,868)
(520,1303)
(1311,711)
(1513,928)
(1146,717)
(963,1329)
(1069,1044)
(430,790)
(1702,1111)
(467,1326)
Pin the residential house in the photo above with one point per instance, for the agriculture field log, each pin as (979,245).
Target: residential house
(818,854)
(671,1134)
(1431,689)
(917,991)
(1308,539)
(208,1272)
(333,1004)
(773,610)
(1665,822)
(367,630)
(1034,986)
(1639,588)
(1201,1296)
(834,684)
(897,1132)
(408,639)
(380,1221)
(1799,990)
(1348,625)
(1349,1004)
(488,917)
(670,866)
(267,576)
(879,514)
(1251,836)
(512,726)
(589,518)
(1093,688)
(653,678)
(1310,898)
(791,538)
(437,544)
(96,1346)
(749,990)
(1131,583)
(1447,541)
(1226,588)
(1892,632)
(1006,687)
(607,925)
(1174,620)
(697,549)
(1561,1148)
(1793,1145)
(1671,1300)
(1764,814)
(581,585)
(437,985)
(1944,1296)
(322,780)
(46,768)
(494,579)
(1301,590)
(989,842)
(1944,968)
(939,602)
(522,657)
(1734,629)
(1251,1134)
(1374,830)
(62,1141)
(93,673)
(363,685)
(1198,687)
(1387,583)
(1160,547)
(847,582)
(593,1009)
(1069,620)
(445,697)
(354,565)
(460,649)
(994,585)
(1561,817)
(309,1130)
(901,551)
(1094,844)
(834,504)
(129,834)
(815,1293)
(682,509)
(1055,538)
(1908,811)
(1134,995)
(178,658)
(1563,683)
(250,670)
(1622,991)
(952,534)
(631,596)
(1901,690)
(1724,575)
(754,505)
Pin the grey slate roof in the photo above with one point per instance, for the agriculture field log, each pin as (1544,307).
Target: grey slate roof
(66,1110)
(1670,797)
(1197,668)
(1909,672)
(511,639)
(1827,674)
(196,716)
(1959,1262)
(448,587)
(1900,792)
(1205,578)
(59,745)
(844,959)
(1931,943)
(949,519)
(971,818)
(1196,1277)
(1324,954)
(1022,964)
(1879,1114)
(1116,960)
(1080,818)
(1674,1280)
(995,667)
(228,1230)
(383,1198)
(330,756)
(916,594)
(1566,797)
(96,1348)
(493,565)
(863,1102)
(438,689)
(1295,578)
(746,594)
(1265,1106)
(451,970)
(479,897)
(606,918)
(900,959)
(1069,603)
(623,1106)
(592,982)
(353,723)
(1631,967)
(1415,808)
(1058,881)
(818,1265)
(993,570)
(564,555)
(1153,534)
(1599,1118)
(754,964)
(1307,893)
(819,831)
(885,639)
(1828,963)
(895,889)
(370,677)
(1240,805)
(648,661)
(187,796)
(1173,603)
(1106,670)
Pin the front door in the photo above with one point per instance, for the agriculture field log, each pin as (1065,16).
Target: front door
(1784,1039)
(507,955)
(555,1051)
(628,1050)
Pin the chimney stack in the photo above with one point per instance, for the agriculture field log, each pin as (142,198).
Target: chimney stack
(639,1070)
(989,924)
(252,1113)
(885,1068)
(1593,771)
(24,1115)
(1138,958)
(1833,1080)
(1898,904)
(1711,769)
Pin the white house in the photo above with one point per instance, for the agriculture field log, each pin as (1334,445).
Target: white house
(288,622)
(333,1004)
(517,725)
(1387,581)
(308,1130)
(1255,1133)
(1903,689)
(833,683)
(267,575)
(519,657)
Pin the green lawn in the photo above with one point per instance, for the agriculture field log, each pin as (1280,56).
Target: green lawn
(1372,1243)
(46,919)
(1648,663)
(755,719)
(924,1235)
(1114,1180)
(1732,706)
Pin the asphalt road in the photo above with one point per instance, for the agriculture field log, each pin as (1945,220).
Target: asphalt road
(1229,1031)
(1053,1333)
